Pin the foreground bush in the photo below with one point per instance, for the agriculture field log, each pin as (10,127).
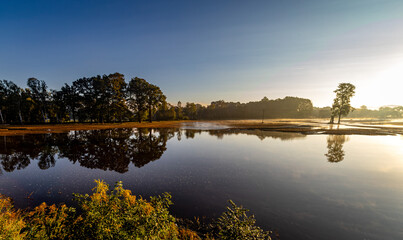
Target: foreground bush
(235,224)
(117,214)
(51,222)
(11,221)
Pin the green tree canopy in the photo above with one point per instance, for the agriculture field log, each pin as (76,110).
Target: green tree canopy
(155,98)
(341,104)
(137,96)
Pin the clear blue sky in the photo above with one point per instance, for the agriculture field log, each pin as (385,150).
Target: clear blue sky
(202,51)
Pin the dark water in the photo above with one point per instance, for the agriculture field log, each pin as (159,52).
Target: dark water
(306,187)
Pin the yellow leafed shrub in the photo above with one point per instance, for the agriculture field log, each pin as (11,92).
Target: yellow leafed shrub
(11,221)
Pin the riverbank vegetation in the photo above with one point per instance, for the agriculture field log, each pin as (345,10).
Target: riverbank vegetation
(118,214)
(110,99)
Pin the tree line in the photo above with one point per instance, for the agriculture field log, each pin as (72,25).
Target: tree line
(106,98)
(109,98)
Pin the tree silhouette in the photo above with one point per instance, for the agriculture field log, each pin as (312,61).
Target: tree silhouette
(39,96)
(137,91)
(155,98)
(69,96)
(341,104)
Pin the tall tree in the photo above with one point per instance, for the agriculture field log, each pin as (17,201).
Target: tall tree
(137,96)
(116,86)
(39,95)
(84,89)
(13,102)
(58,108)
(102,97)
(69,96)
(179,111)
(341,104)
(191,110)
(155,98)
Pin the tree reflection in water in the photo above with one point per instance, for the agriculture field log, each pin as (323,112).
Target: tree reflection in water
(261,134)
(17,152)
(335,152)
(115,149)
(112,149)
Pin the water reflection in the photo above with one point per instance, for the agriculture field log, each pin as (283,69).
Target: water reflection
(290,186)
(335,152)
(17,152)
(110,150)
(261,134)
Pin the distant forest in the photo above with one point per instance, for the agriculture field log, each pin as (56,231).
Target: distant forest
(109,98)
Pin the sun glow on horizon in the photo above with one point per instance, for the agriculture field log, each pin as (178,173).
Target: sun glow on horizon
(385,88)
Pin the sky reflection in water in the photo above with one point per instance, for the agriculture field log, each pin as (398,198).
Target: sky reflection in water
(307,187)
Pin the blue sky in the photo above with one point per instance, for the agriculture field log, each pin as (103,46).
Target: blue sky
(201,51)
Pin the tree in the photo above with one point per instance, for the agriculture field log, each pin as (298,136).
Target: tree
(84,94)
(137,96)
(166,112)
(13,102)
(144,96)
(191,110)
(155,98)
(341,104)
(116,88)
(39,94)
(179,111)
(70,99)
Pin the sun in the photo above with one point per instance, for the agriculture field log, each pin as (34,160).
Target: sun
(383,88)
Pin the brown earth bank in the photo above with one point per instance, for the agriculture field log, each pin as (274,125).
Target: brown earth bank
(320,126)
(8,130)
(302,126)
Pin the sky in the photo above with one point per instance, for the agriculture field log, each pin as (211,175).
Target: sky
(203,51)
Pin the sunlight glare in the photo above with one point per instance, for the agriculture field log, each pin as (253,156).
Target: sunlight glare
(384,88)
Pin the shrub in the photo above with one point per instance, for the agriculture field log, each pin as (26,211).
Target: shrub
(11,221)
(50,222)
(235,224)
(119,215)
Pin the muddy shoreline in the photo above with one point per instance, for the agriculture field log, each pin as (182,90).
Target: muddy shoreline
(301,126)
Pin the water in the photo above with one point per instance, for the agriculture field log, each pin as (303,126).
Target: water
(305,187)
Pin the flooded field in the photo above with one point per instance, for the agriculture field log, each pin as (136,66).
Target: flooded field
(303,186)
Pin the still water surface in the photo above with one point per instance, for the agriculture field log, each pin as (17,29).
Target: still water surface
(306,187)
